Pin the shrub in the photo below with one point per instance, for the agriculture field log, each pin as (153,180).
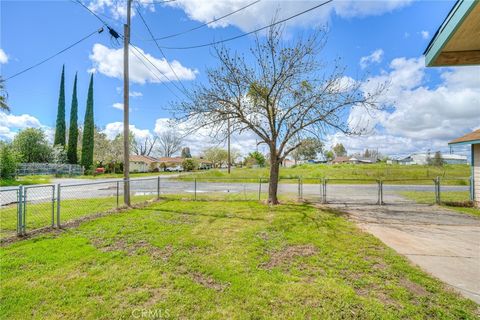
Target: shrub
(189,164)
(8,162)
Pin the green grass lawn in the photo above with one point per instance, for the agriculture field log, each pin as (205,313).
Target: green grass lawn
(346,171)
(217,260)
(447,197)
(26,180)
(39,215)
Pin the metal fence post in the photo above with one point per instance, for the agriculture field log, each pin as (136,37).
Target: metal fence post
(24,212)
(195,189)
(53,205)
(20,210)
(324,190)
(259,189)
(158,187)
(58,205)
(320,185)
(380,192)
(298,189)
(439,198)
(118,193)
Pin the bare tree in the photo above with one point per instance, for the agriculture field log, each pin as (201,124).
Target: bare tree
(144,146)
(3,96)
(281,92)
(169,142)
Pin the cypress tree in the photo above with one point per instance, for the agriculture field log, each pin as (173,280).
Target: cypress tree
(73,130)
(88,131)
(60,127)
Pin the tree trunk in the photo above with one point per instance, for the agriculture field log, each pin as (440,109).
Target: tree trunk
(273,183)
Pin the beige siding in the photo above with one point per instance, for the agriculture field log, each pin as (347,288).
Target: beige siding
(476,171)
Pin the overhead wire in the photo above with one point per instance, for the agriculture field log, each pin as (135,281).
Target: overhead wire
(207,23)
(185,91)
(160,71)
(151,71)
(137,49)
(54,55)
(248,33)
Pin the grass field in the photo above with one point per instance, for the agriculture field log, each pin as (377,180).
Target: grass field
(26,180)
(241,260)
(447,197)
(347,171)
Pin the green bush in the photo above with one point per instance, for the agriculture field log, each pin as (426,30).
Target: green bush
(8,162)
(189,164)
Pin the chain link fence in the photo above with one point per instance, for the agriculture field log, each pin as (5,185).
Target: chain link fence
(25,169)
(25,209)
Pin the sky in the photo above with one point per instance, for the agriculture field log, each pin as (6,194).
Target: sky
(379,41)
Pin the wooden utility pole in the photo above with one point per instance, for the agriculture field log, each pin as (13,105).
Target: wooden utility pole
(229,160)
(126,124)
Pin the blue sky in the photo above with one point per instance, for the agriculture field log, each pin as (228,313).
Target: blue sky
(390,36)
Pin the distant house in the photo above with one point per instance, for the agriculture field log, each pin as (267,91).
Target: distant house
(288,163)
(140,163)
(338,160)
(204,164)
(422,159)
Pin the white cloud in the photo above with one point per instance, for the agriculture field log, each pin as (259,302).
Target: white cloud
(118,106)
(3,57)
(262,13)
(135,94)
(259,14)
(421,117)
(115,128)
(109,62)
(425,34)
(375,57)
(117,8)
(10,124)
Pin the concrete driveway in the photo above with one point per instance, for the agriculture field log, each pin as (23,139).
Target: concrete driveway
(442,242)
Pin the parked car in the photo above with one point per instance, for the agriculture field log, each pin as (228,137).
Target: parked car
(174,169)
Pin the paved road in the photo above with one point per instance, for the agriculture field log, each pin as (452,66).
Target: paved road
(442,242)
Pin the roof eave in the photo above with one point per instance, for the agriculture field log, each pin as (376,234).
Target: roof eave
(447,29)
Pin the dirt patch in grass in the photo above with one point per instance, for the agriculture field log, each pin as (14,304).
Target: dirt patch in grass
(208,282)
(378,293)
(414,288)
(288,254)
(134,248)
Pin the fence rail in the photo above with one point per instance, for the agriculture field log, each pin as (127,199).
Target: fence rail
(27,208)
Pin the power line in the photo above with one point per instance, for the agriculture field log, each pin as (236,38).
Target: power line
(185,91)
(162,73)
(56,54)
(248,33)
(93,13)
(112,32)
(154,74)
(208,23)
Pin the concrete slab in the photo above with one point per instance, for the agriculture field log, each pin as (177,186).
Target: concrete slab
(442,242)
